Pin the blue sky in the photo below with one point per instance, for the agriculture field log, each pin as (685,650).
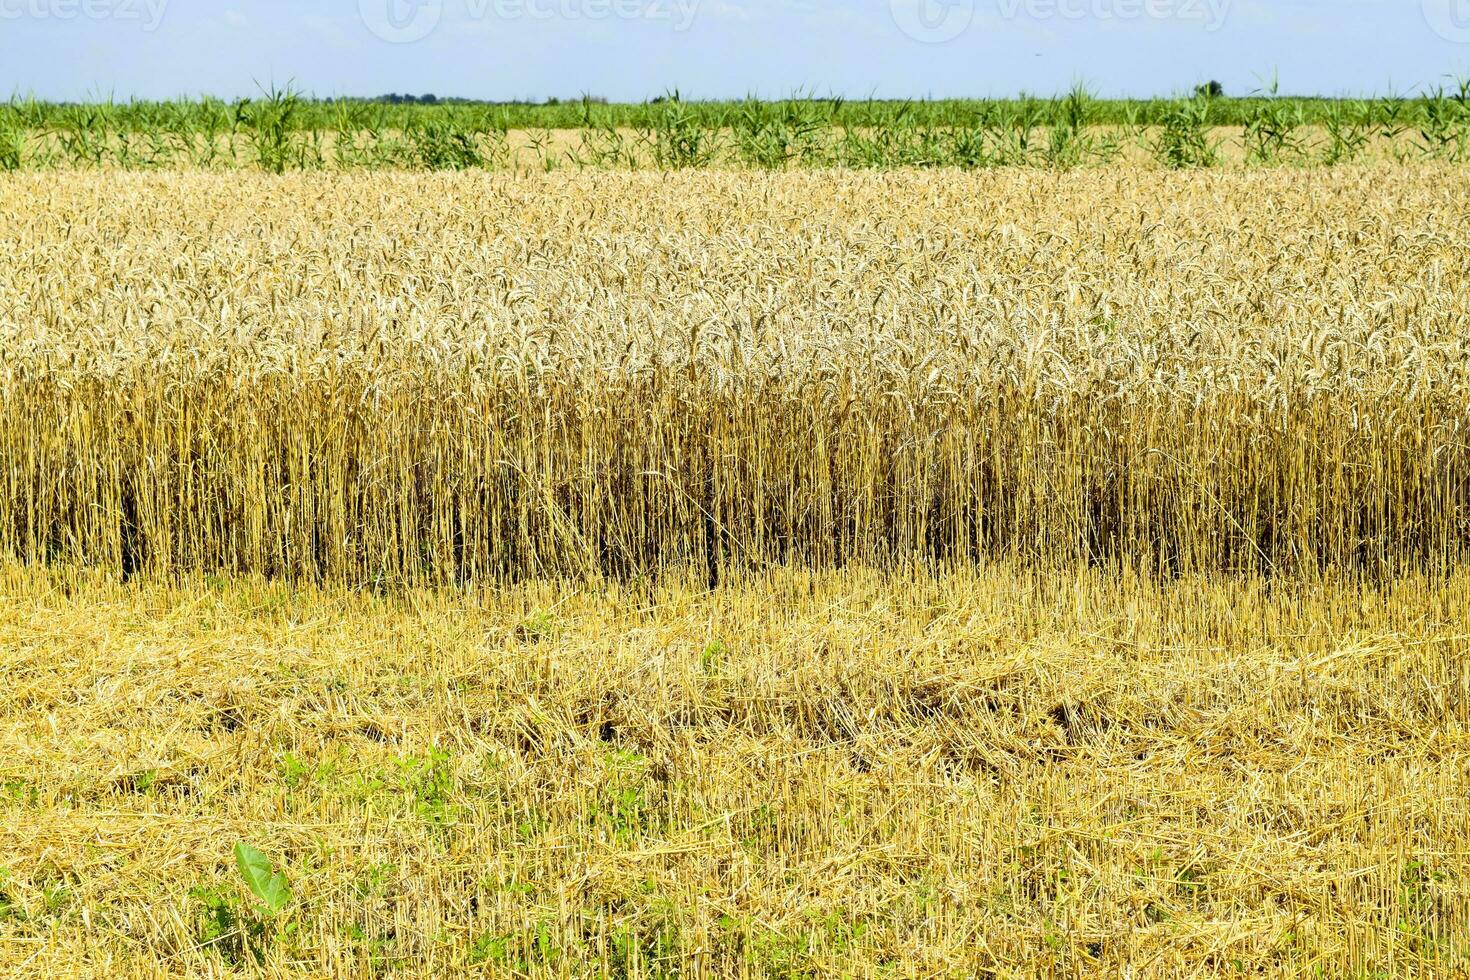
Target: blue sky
(633,49)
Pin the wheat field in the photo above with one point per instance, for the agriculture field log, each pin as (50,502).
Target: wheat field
(440,379)
(736,574)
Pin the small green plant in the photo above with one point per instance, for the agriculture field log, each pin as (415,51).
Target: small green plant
(1270,130)
(438,144)
(1349,128)
(235,930)
(294,772)
(534,627)
(489,948)
(532,826)
(375,880)
(221,925)
(625,810)
(678,138)
(518,954)
(644,952)
(84,133)
(264,882)
(268,124)
(56,897)
(201,129)
(376,949)
(429,782)
(1015,129)
(1071,141)
(712,655)
(1183,141)
(1444,133)
(1418,900)
(774,137)
(1389,114)
(601,147)
(10,908)
(19,791)
(12,141)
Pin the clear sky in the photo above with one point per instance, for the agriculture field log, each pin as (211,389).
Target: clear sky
(628,50)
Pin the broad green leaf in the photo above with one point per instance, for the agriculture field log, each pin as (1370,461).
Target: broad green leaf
(265,882)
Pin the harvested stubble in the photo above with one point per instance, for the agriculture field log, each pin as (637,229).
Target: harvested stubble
(425,378)
(844,774)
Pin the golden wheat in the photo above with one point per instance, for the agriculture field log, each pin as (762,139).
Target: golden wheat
(444,378)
